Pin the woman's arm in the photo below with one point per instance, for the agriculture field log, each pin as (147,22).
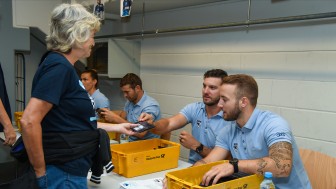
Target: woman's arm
(32,133)
(125,128)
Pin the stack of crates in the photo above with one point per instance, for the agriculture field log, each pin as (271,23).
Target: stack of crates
(191,178)
(144,157)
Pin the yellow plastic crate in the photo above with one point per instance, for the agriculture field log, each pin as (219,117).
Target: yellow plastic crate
(190,178)
(112,135)
(17,117)
(143,157)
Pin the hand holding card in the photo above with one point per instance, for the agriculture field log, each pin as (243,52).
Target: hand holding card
(143,126)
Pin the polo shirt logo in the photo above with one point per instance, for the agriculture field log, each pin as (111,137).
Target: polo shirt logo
(280,134)
(198,123)
(235,147)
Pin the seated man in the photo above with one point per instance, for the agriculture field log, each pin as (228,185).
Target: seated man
(205,118)
(259,141)
(90,81)
(137,102)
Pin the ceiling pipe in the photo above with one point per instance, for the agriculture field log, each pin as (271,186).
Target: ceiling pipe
(248,13)
(224,25)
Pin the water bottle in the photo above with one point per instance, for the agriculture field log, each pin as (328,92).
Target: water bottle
(123,138)
(267,183)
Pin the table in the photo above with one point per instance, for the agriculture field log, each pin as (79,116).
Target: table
(113,180)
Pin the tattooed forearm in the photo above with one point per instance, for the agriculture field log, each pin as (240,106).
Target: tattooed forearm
(261,165)
(281,153)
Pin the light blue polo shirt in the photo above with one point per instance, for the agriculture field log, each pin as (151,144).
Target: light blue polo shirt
(204,129)
(263,129)
(100,100)
(146,104)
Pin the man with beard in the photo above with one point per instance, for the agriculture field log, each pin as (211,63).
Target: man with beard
(205,118)
(137,102)
(259,141)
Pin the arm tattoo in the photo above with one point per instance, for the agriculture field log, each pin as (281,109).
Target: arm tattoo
(281,153)
(261,165)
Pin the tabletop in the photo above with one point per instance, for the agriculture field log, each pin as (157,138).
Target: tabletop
(113,180)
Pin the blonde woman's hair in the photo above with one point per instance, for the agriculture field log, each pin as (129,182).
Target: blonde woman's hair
(71,25)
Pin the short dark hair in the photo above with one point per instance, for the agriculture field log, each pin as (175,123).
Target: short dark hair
(217,73)
(246,86)
(94,75)
(131,79)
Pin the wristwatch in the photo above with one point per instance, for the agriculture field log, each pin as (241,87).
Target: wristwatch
(234,162)
(199,149)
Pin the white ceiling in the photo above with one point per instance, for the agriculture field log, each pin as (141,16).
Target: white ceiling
(113,6)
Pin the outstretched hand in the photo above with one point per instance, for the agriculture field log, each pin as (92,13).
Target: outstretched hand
(146,117)
(125,128)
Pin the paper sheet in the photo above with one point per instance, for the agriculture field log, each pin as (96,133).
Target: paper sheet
(155,183)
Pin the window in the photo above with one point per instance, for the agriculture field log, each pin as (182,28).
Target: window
(99,57)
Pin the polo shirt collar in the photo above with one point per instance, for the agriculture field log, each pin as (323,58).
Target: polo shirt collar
(94,93)
(219,114)
(252,121)
(142,100)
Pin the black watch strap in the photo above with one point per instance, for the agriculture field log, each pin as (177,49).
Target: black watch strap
(199,149)
(234,162)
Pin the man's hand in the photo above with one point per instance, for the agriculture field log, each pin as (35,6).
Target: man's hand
(188,141)
(217,172)
(10,135)
(164,182)
(108,115)
(146,117)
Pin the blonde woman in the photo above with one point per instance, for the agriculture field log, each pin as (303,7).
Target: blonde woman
(59,126)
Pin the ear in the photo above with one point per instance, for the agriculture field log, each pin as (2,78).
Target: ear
(95,81)
(137,88)
(243,102)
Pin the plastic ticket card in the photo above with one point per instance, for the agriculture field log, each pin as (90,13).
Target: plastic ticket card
(155,183)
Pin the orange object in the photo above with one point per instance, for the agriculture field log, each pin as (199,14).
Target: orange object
(17,116)
(190,178)
(145,156)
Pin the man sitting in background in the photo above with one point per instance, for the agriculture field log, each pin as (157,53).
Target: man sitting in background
(137,102)
(90,81)
(205,118)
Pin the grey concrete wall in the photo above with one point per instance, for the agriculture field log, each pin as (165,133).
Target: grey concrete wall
(11,40)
